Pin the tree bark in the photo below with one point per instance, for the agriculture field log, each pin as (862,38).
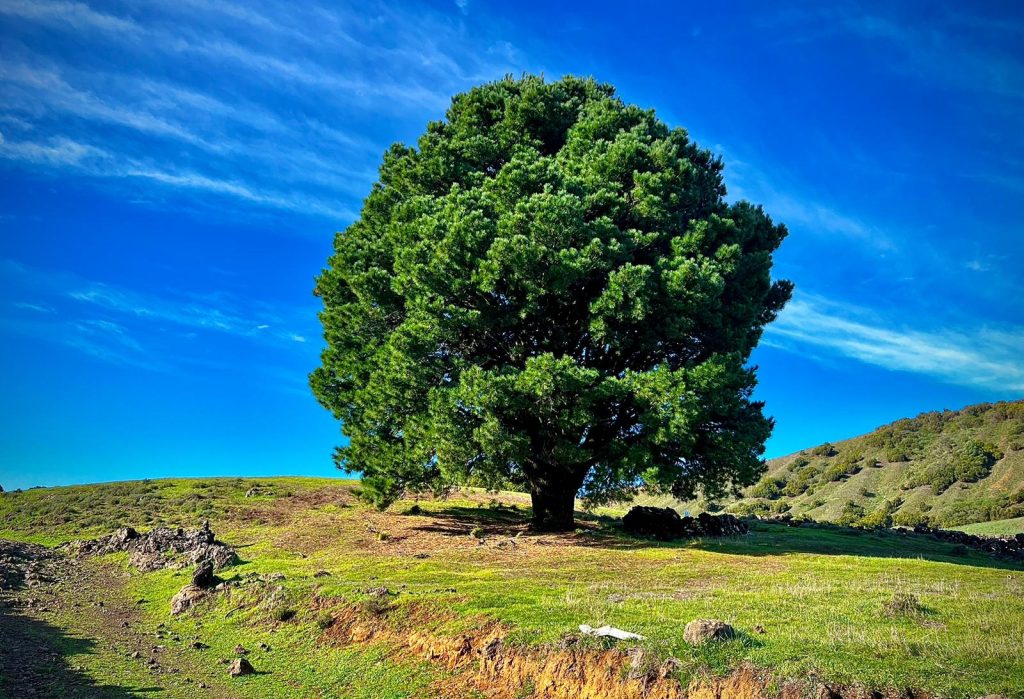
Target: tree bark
(553,506)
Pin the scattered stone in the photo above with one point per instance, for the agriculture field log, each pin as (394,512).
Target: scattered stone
(275,576)
(321,574)
(136,655)
(700,631)
(240,667)
(665,524)
(241,650)
(186,598)
(199,645)
(25,565)
(378,592)
(759,630)
(264,646)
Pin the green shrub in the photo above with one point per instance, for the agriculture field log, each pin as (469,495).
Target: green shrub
(825,449)
(770,488)
(881,516)
(896,454)
(974,460)
(911,518)
(852,513)
(798,463)
(748,508)
(842,469)
(801,481)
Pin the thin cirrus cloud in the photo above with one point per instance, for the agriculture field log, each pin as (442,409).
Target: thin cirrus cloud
(278,121)
(109,321)
(985,358)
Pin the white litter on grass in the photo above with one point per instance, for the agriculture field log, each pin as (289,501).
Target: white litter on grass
(610,631)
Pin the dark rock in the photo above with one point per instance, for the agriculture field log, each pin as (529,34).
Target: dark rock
(665,524)
(701,631)
(240,667)
(241,650)
(659,522)
(203,575)
(321,574)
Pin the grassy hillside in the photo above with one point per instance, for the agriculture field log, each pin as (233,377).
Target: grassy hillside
(943,469)
(881,609)
(1000,527)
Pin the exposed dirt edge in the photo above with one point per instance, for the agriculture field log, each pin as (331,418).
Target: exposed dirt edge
(483,662)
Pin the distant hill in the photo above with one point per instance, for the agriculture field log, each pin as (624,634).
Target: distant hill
(944,469)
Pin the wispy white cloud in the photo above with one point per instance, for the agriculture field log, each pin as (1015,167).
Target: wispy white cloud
(52,152)
(983,357)
(34,307)
(118,307)
(797,207)
(279,120)
(73,15)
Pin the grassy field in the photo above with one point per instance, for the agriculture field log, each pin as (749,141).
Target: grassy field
(1002,527)
(822,596)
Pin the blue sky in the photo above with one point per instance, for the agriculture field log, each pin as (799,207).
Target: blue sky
(172,173)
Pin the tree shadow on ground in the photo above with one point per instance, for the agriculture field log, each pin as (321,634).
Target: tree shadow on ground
(765,538)
(34,661)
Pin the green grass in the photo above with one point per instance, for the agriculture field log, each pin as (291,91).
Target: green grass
(1002,527)
(820,593)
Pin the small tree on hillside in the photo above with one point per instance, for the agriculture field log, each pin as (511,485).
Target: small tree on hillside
(549,290)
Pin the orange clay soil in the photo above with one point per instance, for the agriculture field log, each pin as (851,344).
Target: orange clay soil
(482,664)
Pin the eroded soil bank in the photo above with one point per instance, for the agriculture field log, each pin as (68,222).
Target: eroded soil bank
(483,663)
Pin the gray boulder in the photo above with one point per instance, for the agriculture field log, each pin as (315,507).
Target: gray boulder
(701,631)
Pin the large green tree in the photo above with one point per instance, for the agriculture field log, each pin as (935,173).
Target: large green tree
(549,290)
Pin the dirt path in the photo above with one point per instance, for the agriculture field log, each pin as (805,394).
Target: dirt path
(68,630)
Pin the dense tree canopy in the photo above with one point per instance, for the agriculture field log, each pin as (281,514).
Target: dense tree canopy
(549,290)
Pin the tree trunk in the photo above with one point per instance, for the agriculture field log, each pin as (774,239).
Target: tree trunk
(553,505)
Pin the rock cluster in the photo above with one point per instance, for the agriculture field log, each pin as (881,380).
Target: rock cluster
(665,523)
(1006,547)
(162,547)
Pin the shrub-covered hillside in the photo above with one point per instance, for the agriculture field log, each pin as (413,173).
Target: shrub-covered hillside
(943,469)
